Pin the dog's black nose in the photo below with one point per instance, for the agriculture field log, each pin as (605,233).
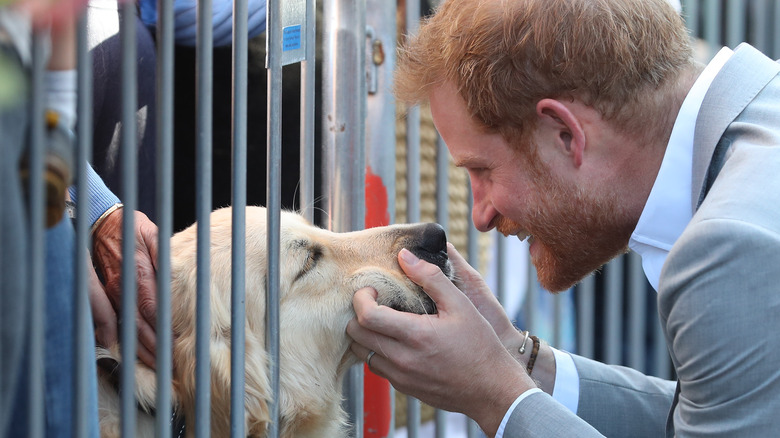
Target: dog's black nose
(433,238)
(430,244)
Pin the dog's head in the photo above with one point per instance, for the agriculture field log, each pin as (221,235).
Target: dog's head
(319,272)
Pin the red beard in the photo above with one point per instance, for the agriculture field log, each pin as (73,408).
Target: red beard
(574,233)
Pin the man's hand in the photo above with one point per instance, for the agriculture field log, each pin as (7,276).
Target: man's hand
(107,256)
(473,285)
(451,360)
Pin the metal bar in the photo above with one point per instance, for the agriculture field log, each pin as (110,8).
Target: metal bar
(499,262)
(531,296)
(472,247)
(308,78)
(557,317)
(613,312)
(690,12)
(36,327)
(84,345)
(776,39)
(238,266)
(412,12)
(712,27)
(637,313)
(129,197)
(344,108)
(758,31)
(380,125)
(735,22)
(442,217)
(273,202)
(663,362)
(164,102)
(442,184)
(203,169)
(585,317)
(472,250)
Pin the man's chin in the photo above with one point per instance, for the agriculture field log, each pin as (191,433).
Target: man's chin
(555,283)
(561,274)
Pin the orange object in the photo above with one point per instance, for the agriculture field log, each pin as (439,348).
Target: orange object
(377,406)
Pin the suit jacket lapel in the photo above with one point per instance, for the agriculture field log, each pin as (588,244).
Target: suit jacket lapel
(741,78)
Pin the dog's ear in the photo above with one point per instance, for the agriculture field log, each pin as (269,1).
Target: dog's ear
(257,386)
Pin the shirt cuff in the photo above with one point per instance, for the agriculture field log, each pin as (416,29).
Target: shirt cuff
(521,397)
(101,198)
(567,381)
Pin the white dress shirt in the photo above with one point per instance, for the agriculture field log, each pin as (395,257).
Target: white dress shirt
(666,214)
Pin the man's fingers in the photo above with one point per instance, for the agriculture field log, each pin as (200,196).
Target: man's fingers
(430,278)
(376,362)
(379,318)
(146,356)
(147,294)
(103,314)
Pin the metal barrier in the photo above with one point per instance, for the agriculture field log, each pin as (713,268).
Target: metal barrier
(630,335)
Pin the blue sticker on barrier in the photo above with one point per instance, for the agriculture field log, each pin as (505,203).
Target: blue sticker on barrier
(291,38)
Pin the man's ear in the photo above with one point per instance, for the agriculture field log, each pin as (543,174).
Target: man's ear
(568,132)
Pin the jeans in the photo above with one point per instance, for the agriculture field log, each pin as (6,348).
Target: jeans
(59,345)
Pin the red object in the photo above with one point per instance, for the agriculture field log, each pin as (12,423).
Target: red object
(377,405)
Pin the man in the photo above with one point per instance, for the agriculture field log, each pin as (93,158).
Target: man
(586,125)
(17,23)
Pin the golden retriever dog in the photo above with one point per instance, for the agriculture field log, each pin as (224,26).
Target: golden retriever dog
(319,273)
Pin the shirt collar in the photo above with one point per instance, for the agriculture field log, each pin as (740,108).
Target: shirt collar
(668,208)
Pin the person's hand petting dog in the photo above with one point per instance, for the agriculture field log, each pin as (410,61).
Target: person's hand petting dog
(106,297)
(422,355)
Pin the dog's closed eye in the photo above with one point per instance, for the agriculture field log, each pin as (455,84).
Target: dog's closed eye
(314,254)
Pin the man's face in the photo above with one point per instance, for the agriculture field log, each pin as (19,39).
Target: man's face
(572,232)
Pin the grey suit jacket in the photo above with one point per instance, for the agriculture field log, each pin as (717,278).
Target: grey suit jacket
(719,294)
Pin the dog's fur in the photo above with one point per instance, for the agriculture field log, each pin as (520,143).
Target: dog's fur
(319,273)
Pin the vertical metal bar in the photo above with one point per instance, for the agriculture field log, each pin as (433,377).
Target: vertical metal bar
(712,27)
(613,331)
(499,262)
(238,266)
(776,39)
(758,32)
(344,108)
(84,352)
(204,78)
(413,187)
(442,217)
(690,12)
(531,296)
(557,317)
(164,102)
(273,201)
(379,397)
(442,184)
(308,67)
(662,363)
(36,371)
(735,22)
(637,311)
(472,249)
(586,332)
(129,196)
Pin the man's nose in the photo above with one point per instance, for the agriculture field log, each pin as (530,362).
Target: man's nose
(483,213)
